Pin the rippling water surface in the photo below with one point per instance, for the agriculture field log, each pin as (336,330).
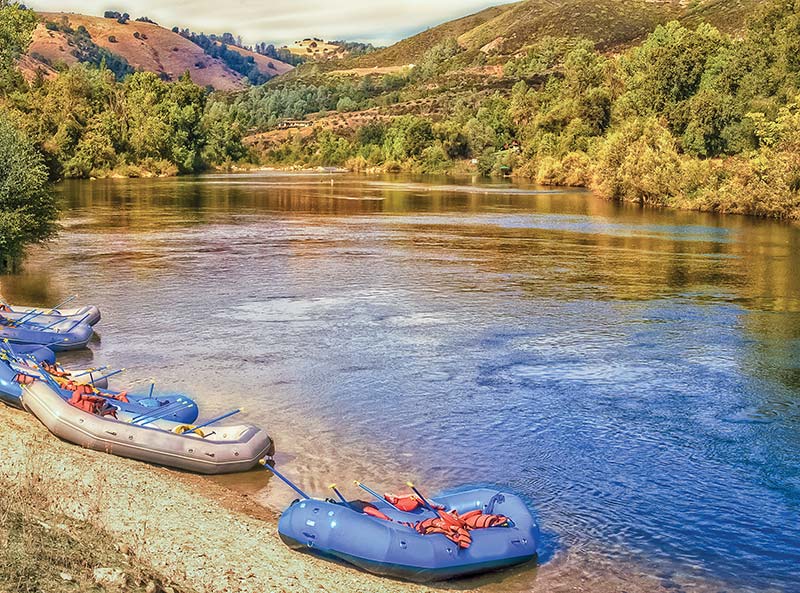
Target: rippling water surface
(634,373)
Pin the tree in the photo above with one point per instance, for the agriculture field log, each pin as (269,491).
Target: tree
(27,208)
(16,29)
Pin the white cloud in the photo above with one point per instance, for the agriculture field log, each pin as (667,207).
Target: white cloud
(281,21)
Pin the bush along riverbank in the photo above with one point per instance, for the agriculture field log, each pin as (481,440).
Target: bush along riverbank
(689,118)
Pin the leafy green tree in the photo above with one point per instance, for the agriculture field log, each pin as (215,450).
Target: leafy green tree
(668,66)
(28,210)
(16,29)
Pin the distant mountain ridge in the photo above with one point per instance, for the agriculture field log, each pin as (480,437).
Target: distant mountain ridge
(144,46)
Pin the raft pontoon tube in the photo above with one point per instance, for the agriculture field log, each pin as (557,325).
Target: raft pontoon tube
(90,314)
(222,449)
(177,408)
(390,548)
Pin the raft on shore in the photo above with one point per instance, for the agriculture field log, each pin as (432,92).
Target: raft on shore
(75,337)
(177,408)
(218,450)
(497,530)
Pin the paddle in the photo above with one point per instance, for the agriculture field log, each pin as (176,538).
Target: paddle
(25,317)
(422,498)
(64,302)
(162,412)
(283,478)
(71,327)
(28,316)
(212,421)
(90,371)
(8,347)
(342,498)
(93,381)
(375,494)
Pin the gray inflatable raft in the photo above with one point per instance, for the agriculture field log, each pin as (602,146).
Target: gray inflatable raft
(227,449)
(90,314)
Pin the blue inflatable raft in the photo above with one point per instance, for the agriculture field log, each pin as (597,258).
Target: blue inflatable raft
(58,340)
(392,546)
(175,408)
(39,354)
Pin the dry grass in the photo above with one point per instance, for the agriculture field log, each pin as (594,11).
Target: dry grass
(44,551)
(156,50)
(612,24)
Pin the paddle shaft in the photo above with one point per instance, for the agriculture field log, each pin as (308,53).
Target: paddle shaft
(284,479)
(212,421)
(375,494)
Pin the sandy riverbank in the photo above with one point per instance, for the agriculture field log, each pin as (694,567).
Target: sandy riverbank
(184,526)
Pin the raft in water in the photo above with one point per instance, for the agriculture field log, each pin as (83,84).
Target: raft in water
(394,549)
(217,450)
(71,338)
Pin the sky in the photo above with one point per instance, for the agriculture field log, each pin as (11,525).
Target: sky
(380,22)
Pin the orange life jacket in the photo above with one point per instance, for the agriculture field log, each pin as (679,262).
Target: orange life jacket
(24,379)
(53,370)
(406,503)
(457,534)
(373,512)
(92,404)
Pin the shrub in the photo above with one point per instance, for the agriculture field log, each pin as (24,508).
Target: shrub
(639,163)
(27,207)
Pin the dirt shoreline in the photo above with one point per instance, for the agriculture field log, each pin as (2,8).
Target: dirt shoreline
(192,531)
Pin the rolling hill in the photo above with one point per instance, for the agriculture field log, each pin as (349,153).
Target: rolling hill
(145,46)
(507,29)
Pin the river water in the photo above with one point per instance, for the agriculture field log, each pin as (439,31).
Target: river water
(634,373)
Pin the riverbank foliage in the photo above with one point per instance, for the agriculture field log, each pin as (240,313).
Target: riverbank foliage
(27,207)
(691,117)
(92,120)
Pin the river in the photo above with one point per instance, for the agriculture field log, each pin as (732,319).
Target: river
(634,373)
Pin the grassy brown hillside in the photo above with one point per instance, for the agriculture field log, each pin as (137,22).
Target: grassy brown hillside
(145,46)
(726,15)
(410,50)
(608,23)
(507,29)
